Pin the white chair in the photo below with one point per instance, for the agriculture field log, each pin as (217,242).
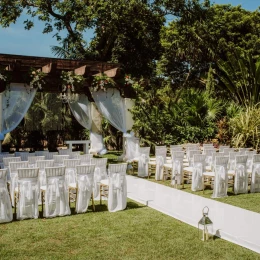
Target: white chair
(70,172)
(190,156)
(58,159)
(199,167)
(243,150)
(241,175)
(55,193)
(42,165)
(250,155)
(143,160)
(100,174)
(220,177)
(13,168)
(4,155)
(84,187)
(6,161)
(232,161)
(85,158)
(117,187)
(24,155)
(222,147)
(32,160)
(65,151)
(49,155)
(255,176)
(41,153)
(27,193)
(160,154)
(75,155)
(177,146)
(226,151)
(209,155)
(177,168)
(6,212)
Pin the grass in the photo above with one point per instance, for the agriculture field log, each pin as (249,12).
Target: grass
(136,233)
(248,201)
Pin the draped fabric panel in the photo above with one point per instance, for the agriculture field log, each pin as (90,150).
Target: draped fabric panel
(111,106)
(81,109)
(15,103)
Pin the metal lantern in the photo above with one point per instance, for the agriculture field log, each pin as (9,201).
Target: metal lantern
(205,226)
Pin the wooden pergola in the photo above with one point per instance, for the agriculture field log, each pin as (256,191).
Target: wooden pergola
(19,66)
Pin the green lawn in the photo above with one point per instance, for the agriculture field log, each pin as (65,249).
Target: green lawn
(245,201)
(138,232)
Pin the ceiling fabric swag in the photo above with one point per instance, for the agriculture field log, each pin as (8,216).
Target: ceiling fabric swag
(14,102)
(82,111)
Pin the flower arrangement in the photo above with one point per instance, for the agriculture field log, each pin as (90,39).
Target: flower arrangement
(36,78)
(128,81)
(102,82)
(70,80)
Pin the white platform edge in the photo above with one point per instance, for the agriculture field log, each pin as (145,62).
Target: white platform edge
(231,223)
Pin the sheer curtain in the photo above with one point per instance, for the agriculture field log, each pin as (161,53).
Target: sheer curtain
(112,106)
(81,109)
(14,102)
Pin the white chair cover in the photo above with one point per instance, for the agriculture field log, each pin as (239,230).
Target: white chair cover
(197,177)
(255,179)
(159,168)
(28,189)
(15,103)
(132,148)
(221,177)
(85,182)
(241,179)
(57,193)
(99,174)
(6,212)
(177,167)
(220,182)
(143,161)
(117,193)
(13,167)
(42,165)
(70,172)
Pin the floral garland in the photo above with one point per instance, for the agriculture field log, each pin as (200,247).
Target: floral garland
(102,82)
(70,80)
(37,78)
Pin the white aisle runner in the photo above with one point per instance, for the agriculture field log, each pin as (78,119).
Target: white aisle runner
(231,223)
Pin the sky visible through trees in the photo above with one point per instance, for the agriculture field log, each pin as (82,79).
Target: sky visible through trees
(16,40)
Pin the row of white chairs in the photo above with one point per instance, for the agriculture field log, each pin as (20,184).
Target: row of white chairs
(56,193)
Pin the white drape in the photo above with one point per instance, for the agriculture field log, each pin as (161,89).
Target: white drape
(111,106)
(14,105)
(143,161)
(81,109)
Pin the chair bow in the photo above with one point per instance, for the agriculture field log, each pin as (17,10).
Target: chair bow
(116,181)
(240,170)
(84,183)
(256,169)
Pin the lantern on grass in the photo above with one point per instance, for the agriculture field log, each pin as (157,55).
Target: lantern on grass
(205,226)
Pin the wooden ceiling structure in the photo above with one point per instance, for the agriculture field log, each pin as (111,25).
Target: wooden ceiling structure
(19,66)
